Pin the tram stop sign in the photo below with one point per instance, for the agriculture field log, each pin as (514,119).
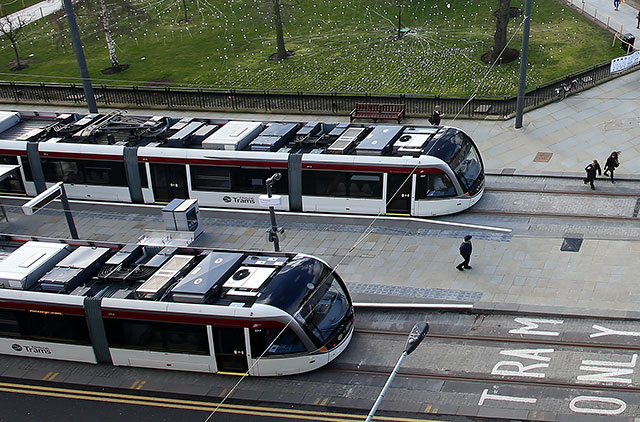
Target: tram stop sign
(416,336)
(270,201)
(43,199)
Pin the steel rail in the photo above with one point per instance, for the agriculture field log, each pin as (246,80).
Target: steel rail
(505,340)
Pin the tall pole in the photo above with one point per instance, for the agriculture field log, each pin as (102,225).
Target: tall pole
(413,341)
(273,233)
(67,213)
(82,64)
(386,387)
(524,57)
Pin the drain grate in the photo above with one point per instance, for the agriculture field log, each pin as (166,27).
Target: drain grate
(508,171)
(543,157)
(571,244)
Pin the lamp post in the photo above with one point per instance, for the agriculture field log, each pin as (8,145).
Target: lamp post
(82,63)
(415,338)
(274,232)
(524,57)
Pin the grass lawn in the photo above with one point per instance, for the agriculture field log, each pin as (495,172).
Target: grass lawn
(339,46)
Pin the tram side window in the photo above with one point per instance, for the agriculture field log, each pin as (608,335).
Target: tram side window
(26,167)
(103,173)
(13,182)
(341,184)
(249,180)
(209,178)
(429,186)
(142,170)
(287,343)
(44,326)
(157,336)
(230,179)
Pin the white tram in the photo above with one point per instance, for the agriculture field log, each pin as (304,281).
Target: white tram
(343,168)
(264,314)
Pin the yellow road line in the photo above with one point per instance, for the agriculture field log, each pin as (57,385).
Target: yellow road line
(192,404)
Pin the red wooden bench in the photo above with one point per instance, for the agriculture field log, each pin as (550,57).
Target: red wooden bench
(378,111)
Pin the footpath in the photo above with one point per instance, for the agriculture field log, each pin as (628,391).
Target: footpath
(416,261)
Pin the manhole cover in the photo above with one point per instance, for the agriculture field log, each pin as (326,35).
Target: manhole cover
(543,157)
(571,244)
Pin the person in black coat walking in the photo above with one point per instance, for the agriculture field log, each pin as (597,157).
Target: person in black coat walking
(611,164)
(465,252)
(436,116)
(591,170)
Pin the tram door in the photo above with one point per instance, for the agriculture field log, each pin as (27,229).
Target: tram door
(401,202)
(169,182)
(231,349)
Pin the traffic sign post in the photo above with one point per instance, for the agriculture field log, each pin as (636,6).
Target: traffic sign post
(275,233)
(54,192)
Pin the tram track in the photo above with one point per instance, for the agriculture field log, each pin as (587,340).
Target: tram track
(425,375)
(457,375)
(558,200)
(504,340)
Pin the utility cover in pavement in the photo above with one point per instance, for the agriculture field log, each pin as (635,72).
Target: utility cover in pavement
(571,244)
(543,157)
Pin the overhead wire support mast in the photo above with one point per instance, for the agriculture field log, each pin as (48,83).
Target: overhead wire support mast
(524,58)
(82,63)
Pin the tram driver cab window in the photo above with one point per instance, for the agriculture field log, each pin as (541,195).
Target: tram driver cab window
(431,186)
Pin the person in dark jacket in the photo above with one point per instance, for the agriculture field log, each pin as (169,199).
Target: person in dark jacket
(591,170)
(436,116)
(465,252)
(611,164)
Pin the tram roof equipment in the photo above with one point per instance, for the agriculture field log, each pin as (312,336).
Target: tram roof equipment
(74,269)
(29,263)
(379,140)
(206,278)
(234,135)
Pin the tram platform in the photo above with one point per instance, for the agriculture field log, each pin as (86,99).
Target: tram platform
(415,261)
(402,261)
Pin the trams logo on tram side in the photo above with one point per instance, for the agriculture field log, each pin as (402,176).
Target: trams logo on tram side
(239,199)
(31,349)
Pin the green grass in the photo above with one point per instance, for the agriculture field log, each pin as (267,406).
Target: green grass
(339,46)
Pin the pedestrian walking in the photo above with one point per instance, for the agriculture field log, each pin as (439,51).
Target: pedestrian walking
(638,19)
(465,252)
(591,170)
(436,116)
(612,162)
(616,3)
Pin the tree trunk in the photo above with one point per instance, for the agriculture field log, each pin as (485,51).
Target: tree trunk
(502,20)
(504,13)
(111,44)
(399,18)
(277,22)
(15,50)
(184,3)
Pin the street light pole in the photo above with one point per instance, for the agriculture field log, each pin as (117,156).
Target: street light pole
(273,232)
(415,338)
(82,63)
(524,58)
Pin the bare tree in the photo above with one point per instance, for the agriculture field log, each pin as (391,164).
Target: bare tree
(504,13)
(104,10)
(111,44)
(13,30)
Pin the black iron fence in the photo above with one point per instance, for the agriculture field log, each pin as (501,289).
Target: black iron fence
(301,102)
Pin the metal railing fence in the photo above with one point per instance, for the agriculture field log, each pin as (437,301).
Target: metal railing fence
(298,102)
